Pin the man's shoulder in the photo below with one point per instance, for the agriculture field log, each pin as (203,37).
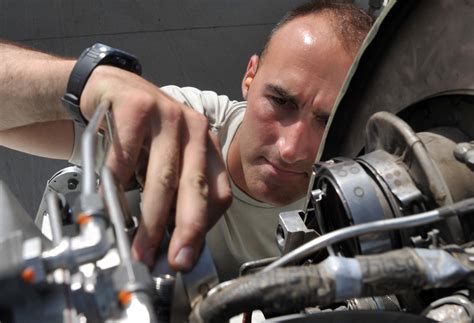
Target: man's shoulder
(218,108)
(190,95)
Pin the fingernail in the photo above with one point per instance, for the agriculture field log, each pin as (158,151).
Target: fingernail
(184,258)
(149,257)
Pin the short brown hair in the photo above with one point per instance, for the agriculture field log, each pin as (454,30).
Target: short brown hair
(350,23)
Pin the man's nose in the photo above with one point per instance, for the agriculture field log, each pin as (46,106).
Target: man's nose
(294,143)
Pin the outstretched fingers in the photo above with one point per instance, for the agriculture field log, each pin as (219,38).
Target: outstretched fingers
(184,167)
(162,179)
(192,200)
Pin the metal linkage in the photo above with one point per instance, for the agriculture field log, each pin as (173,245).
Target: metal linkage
(88,148)
(55,217)
(328,239)
(92,243)
(131,276)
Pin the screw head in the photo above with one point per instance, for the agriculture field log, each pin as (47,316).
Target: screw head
(72,183)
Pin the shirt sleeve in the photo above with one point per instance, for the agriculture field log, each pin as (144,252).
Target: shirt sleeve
(216,108)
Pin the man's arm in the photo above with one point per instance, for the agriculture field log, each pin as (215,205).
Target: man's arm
(30,85)
(184,165)
(32,118)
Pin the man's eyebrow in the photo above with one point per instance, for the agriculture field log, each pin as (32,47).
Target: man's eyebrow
(283,93)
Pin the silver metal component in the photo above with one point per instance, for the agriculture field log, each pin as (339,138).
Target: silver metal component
(133,200)
(430,241)
(189,287)
(346,274)
(464,152)
(395,176)
(90,245)
(139,310)
(116,214)
(32,256)
(360,200)
(61,183)
(292,231)
(92,293)
(376,303)
(433,235)
(164,290)
(328,239)
(202,278)
(401,140)
(470,252)
(388,132)
(442,268)
(91,204)
(449,313)
(317,195)
(164,286)
(88,148)
(221,287)
(255,265)
(192,286)
(454,308)
(133,275)
(314,196)
(55,217)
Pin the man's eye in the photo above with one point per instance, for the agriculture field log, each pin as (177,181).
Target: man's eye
(278,101)
(323,120)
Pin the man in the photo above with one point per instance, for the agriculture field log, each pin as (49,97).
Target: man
(268,142)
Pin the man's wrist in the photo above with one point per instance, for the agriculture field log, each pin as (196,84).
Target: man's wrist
(90,59)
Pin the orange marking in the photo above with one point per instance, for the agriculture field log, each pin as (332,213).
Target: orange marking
(83,218)
(124,297)
(28,275)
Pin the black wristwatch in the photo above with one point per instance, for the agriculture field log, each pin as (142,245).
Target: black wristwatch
(98,54)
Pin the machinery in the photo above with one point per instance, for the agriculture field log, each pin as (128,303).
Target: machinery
(386,233)
(387,230)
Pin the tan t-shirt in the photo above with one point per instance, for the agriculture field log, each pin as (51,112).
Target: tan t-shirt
(247,231)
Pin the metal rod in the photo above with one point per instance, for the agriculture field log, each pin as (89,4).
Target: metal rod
(328,239)
(116,213)
(88,148)
(55,220)
(117,219)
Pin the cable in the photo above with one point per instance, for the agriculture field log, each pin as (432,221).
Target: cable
(328,239)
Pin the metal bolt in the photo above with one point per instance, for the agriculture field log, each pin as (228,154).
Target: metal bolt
(317,195)
(164,287)
(464,152)
(469,157)
(72,183)
(359,191)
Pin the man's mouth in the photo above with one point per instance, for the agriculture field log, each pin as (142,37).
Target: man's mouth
(285,171)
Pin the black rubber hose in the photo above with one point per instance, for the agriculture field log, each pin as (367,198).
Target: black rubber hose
(290,289)
(286,289)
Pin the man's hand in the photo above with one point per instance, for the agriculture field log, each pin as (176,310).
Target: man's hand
(184,164)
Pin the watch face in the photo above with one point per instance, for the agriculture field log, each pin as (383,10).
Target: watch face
(111,56)
(98,54)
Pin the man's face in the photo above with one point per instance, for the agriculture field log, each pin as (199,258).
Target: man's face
(290,96)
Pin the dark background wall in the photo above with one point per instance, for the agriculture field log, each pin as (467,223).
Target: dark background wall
(203,43)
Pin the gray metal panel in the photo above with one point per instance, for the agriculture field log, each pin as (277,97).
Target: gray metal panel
(203,43)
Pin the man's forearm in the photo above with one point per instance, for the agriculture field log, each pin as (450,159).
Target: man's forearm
(31,85)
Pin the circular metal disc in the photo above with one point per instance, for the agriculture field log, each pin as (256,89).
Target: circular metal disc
(415,51)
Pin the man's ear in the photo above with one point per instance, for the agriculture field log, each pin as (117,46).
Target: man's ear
(249,75)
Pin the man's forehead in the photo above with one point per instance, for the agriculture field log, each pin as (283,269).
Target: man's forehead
(306,29)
